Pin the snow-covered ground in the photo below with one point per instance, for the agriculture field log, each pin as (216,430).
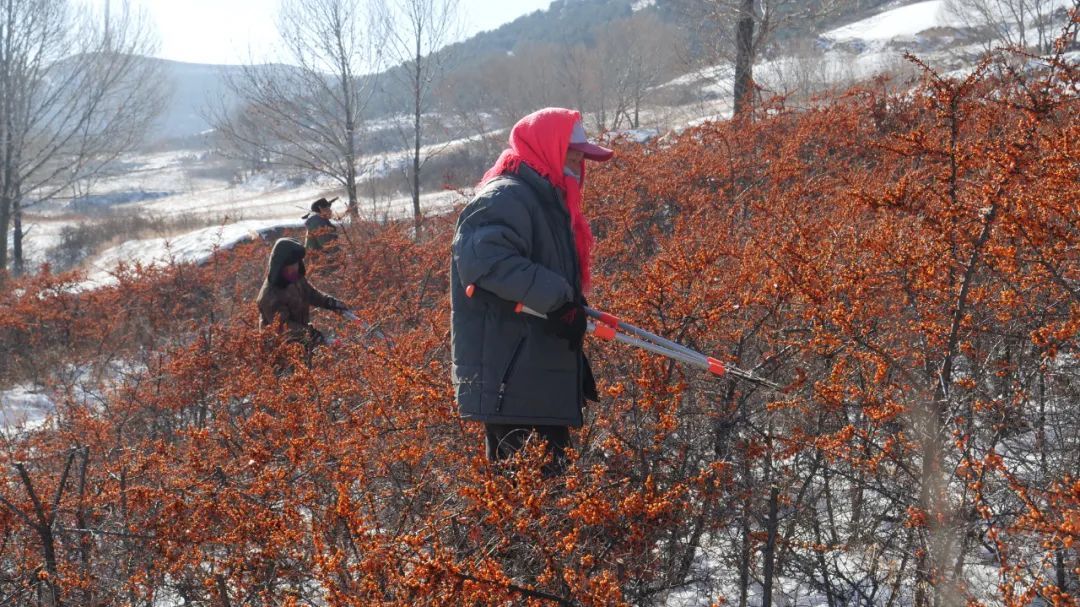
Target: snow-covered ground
(194,247)
(197,246)
(907,22)
(935,30)
(898,23)
(24,408)
(161,186)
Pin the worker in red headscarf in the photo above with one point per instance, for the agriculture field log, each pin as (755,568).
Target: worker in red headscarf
(524,238)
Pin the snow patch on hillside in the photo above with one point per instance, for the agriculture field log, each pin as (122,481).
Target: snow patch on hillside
(901,22)
(194,247)
(198,246)
(24,408)
(906,22)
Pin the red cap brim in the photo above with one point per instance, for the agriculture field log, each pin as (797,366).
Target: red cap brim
(593,151)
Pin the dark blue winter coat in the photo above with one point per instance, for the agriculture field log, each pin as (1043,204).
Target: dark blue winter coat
(514,243)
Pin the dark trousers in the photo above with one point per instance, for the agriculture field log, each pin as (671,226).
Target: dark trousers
(504,440)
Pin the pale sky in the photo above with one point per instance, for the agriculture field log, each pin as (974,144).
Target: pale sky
(223,31)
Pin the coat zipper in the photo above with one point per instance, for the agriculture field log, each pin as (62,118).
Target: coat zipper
(507,373)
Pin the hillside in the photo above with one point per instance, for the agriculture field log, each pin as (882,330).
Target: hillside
(566,22)
(905,264)
(195,194)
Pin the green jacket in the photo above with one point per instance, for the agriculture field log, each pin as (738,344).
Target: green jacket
(320,232)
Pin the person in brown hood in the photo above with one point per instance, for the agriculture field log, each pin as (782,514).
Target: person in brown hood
(286,296)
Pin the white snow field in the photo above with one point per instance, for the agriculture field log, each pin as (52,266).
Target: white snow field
(932,29)
(161,186)
(196,247)
(906,22)
(24,408)
(898,23)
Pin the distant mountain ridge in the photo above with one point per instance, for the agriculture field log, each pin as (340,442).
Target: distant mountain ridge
(571,22)
(196,86)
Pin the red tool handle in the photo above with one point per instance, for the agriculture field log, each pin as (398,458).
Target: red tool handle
(609,328)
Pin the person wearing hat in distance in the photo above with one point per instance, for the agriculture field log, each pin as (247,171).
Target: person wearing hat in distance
(320,231)
(286,297)
(524,238)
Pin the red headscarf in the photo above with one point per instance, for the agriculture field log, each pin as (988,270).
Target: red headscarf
(540,140)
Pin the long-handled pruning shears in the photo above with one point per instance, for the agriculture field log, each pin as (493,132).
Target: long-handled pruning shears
(610,328)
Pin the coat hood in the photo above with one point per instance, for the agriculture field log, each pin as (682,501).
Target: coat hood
(541,140)
(286,251)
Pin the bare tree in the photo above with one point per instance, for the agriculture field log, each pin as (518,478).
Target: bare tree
(421,28)
(76,92)
(742,29)
(1014,22)
(633,55)
(507,87)
(306,112)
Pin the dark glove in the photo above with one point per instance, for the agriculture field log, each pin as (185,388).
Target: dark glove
(588,381)
(568,322)
(336,304)
(315,337)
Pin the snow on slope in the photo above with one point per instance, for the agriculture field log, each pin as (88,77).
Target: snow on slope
(866,48)
(198,246)
(905,22)
(194,247)
(902,22)
(234,212)
(24,408)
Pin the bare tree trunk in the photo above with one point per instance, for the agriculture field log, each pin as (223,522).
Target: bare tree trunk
(746,546)
(744,561)
(771,526)
(930,496)
(18,264)
(823,565)
(223,590)
(417,128)
(744,59)
(7,161)
(353,207)
(351,192)
(42,524)
(423,29)
(81,524)
(346,76)
(5,221)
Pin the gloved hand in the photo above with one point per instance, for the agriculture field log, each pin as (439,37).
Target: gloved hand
(337,305)
(568,322)
(315,337)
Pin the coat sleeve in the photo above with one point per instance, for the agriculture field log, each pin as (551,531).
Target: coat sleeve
(317,298)
(492,248)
